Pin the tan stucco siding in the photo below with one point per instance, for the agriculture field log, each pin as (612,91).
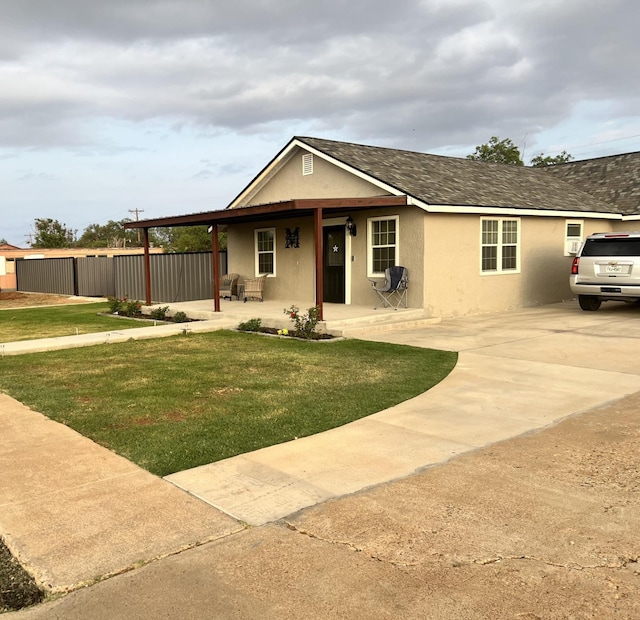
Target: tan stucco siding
(410,254)
(327,181)
(295,267)
(455,286)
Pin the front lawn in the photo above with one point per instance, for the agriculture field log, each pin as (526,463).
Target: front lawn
(31,323)
(175,403)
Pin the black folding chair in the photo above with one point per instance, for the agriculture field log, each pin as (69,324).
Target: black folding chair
(393,290)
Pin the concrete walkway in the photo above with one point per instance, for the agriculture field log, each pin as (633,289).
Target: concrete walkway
(74,512)
(517,372)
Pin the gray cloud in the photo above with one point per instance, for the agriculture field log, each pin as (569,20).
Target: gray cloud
(411,73)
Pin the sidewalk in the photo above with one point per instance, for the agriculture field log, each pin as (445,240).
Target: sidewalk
(73,511)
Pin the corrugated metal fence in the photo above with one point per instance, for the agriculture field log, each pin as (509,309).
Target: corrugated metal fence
(174,277)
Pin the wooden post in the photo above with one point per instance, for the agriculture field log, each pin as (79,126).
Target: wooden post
(319,253)
(147,268)
(215,249)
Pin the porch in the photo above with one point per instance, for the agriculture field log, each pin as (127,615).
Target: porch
(339,319)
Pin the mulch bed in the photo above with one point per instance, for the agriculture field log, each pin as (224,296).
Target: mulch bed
(17,588)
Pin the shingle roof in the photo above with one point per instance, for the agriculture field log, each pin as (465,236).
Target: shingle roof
(614,179)
(439,180)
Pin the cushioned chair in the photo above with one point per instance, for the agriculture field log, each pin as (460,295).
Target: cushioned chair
(254,288)
(393,290)
(229,285)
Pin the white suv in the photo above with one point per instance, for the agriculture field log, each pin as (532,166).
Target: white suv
(606,268)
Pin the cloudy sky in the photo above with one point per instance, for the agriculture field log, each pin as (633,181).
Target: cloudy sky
(172,106)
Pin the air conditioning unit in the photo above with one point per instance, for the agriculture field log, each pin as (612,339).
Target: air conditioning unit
(573,245)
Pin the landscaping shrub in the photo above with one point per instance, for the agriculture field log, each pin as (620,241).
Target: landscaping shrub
(305,324)
(252,325)
(160,314)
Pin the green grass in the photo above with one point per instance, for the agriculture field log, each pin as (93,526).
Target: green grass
(175,403)
(47,322)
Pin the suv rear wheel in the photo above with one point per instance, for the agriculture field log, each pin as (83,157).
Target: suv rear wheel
(589,302)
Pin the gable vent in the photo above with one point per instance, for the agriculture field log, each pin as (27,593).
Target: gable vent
(307,164)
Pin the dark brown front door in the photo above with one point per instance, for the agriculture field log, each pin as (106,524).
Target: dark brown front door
(333,264)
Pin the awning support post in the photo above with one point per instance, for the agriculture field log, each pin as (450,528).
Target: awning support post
(215,249)
(319,271)
(147,268)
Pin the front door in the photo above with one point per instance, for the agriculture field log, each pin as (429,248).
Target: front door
(333,264)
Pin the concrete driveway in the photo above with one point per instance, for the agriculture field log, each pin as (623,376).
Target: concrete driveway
(517,372)
(544,525)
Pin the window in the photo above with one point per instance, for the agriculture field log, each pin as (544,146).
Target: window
(307,164)
(573,237)
(265,251)
(500,243)
(382,233)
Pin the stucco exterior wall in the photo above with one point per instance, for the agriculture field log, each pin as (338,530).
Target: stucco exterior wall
(295,267)
(327,181)
(455,286)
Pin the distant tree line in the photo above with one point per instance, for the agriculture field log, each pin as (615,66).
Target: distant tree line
(50,233)
(506,152)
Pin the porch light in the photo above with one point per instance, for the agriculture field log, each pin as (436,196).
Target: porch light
(351,227)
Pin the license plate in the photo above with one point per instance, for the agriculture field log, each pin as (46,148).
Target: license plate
(613,269)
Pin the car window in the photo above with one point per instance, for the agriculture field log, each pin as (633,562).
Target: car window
(611,247)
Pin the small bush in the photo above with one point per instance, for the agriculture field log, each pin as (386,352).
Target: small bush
(131,307)
(115,305)
(160,314)
(305,324)
(180,317)
(252,325)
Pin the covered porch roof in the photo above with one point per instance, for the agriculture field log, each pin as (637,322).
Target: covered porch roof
(309,207)
(272,210)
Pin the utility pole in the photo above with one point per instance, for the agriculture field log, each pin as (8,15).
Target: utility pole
(30,235)
(137,212)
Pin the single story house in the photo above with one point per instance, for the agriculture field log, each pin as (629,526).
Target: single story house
(323,218)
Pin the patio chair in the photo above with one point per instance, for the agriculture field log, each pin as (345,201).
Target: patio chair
(393,290)
(229,285)
(254,287)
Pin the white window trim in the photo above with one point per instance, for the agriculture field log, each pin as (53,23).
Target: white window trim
(256,253)
(370,272)
(572,244)
(499,270)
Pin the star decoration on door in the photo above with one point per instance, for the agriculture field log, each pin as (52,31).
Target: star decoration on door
(336,248)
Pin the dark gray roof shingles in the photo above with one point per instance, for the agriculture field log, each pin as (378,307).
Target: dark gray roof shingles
(614,179)
(439,180)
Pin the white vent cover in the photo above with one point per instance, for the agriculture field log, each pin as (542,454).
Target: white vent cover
(307,164)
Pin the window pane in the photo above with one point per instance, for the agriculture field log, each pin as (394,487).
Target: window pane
(509,232)
(489,258)
(383,244)
(509,257)
(265,241)
(265,263)
(574,230)
(489,231)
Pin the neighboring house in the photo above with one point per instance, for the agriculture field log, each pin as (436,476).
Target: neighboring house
(325,217)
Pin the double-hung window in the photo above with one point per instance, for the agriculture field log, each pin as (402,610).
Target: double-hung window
(265,251)
(382,233)
(500,243)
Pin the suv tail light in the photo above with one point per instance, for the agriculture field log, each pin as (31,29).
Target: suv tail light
(574,266)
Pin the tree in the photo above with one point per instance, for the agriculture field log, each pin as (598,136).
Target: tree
(540,160)
(109,235)
(52,234)
(498,152)
(188,239)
